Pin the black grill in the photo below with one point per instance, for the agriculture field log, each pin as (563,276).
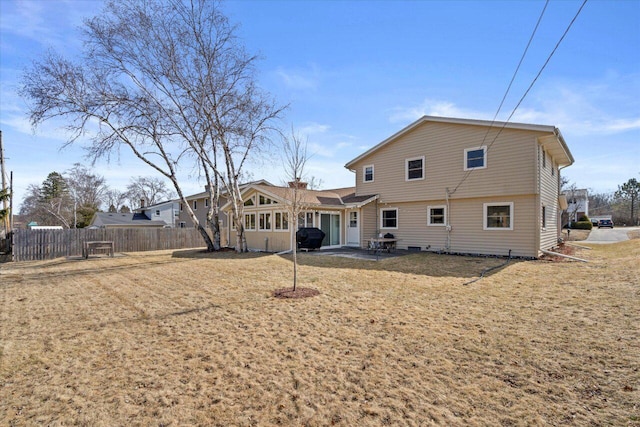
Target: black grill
(309,238)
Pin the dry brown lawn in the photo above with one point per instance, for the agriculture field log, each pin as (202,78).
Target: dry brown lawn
(188,338)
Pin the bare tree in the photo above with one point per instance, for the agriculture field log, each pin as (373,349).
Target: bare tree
(315,183)
(627,196)
(148,188)
(115,200)
(87,190)
(167,80)
(50,203)
(295,159)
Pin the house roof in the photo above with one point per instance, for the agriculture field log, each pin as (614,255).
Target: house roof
(554,143)
(223,191)
(109,219)
(337,198)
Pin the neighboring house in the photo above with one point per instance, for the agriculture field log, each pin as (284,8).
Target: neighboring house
(577,204)
(268,226)
(165,211)
(465,186)
(124,220)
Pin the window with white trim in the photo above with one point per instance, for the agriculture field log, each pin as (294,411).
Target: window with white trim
(281,221)
(498,216)
(437,215)
(544,158)
(389,218)
(250,221)
(264,200)
(250,201)
(195,205)
(475,158)
(264,221)
(206,202)
(544,217)
(157,212)
(305,219)
(414,169)
(367,173)
(181,207)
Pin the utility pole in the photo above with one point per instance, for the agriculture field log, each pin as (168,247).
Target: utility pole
(4,187)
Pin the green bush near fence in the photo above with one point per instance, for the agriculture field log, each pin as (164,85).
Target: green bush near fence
(581,225)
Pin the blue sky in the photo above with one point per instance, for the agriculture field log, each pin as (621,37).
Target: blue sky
(356,72)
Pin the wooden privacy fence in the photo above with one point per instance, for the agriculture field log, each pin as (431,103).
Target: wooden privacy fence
(32,245)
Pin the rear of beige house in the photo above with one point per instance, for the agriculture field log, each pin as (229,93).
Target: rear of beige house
(465,186)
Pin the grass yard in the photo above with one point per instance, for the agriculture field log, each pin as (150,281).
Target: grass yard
(187,338)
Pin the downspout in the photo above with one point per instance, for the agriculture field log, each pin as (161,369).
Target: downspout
(448,225)
(559,219)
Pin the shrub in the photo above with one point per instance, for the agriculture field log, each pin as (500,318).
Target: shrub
(583,218)
(581,225)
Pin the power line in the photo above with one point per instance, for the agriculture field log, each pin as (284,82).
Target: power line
(464,178)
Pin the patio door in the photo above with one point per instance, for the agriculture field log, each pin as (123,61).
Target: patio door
(353,229)
(330,224)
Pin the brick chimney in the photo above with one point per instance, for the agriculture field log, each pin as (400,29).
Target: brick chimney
(298,184)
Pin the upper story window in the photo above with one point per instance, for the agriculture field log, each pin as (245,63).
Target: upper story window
(249,201)
(264,200)
(475,158)
(544,158)
(389,218)
(414,168)
(206,203)
(157,212)
(195,205)
(544,217)
(498,216)
(436,215)
(367,173)
(181,207)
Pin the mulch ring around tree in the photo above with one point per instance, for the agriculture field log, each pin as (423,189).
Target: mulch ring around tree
(289,293)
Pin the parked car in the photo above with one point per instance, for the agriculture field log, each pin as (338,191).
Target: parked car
(604,223)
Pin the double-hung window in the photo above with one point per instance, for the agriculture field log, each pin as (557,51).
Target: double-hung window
(437,215)
(414,168)
(498,216)
(389,218)
(367,173)
(475,158)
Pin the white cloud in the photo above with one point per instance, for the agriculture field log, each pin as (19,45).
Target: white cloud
(299,79)
(313,129)
(434,107)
